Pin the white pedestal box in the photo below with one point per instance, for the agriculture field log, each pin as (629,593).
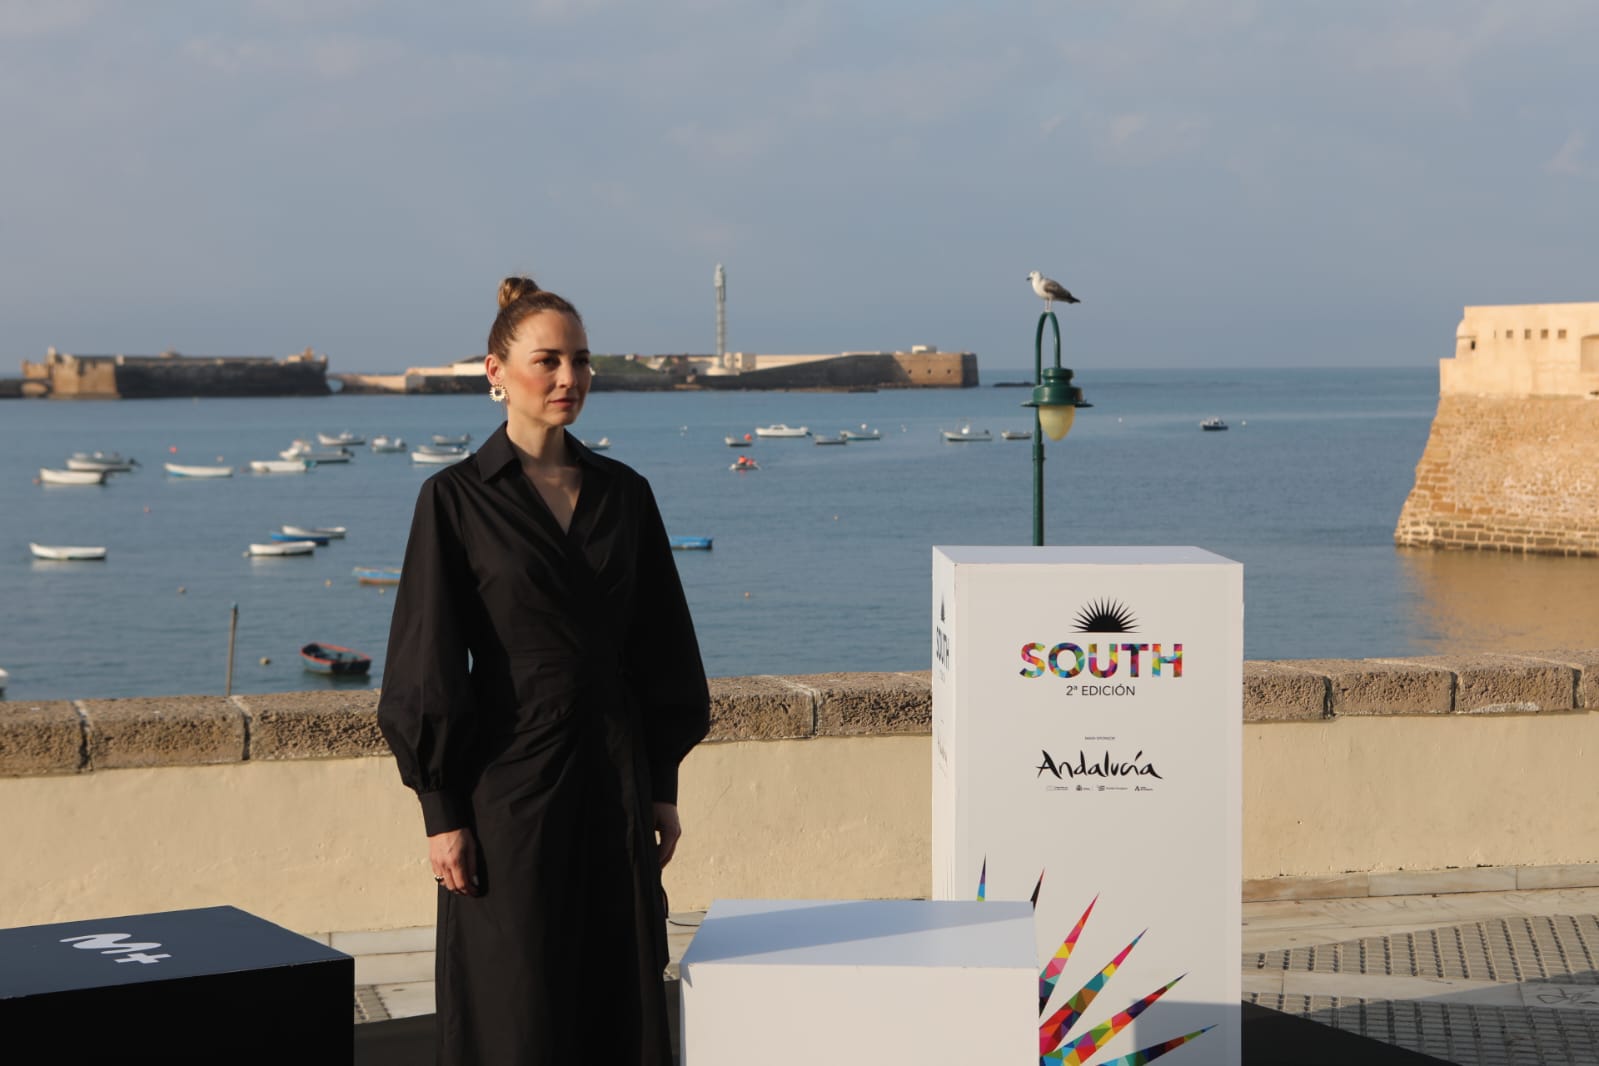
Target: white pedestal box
(807,982)
(1087,727)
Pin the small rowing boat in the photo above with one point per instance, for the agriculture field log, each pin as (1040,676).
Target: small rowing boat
(779,429)
(286,547)
(62,553)
(690,544)
(180,470)
(278,466)
(71,477)
(458,441)
(332,659)
(388,444)
(339,440)
(295,538)
(438,458)
(377,575)
(308,532)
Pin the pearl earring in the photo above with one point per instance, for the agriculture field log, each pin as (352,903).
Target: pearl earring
(497,392)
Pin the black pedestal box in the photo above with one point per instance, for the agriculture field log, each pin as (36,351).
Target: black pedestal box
(208,985)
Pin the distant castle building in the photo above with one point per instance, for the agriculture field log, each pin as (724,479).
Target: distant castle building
(64,376)
(1512,462)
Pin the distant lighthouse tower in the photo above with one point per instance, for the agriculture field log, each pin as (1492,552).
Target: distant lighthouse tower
(721,313)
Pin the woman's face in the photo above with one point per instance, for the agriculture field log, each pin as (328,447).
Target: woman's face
(546,373)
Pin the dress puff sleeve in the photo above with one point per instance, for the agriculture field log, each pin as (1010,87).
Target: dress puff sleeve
(667,676)
(426,707)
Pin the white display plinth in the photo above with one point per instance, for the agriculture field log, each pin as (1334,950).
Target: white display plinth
(1087,727)
(804,982)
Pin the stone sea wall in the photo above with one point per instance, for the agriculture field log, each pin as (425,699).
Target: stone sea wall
(1507,473)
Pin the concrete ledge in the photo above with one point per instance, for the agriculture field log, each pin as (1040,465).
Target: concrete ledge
(313,725)
(1373,686)
(53,738)
(885,704)
(760,708)
(40,738)
(1278,692)
(1498,684)
(163,731)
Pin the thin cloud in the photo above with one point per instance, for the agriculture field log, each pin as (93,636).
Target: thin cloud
(1572,161)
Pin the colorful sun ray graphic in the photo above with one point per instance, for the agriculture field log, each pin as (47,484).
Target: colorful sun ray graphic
(1052,1032)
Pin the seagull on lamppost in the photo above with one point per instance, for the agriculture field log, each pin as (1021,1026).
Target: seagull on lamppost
(1051,290)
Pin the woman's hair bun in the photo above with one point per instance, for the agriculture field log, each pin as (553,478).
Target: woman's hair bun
(517,288)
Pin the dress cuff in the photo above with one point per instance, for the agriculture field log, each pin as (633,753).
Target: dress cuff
(663,782)
(443,811)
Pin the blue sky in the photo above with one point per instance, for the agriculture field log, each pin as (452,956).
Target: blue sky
(1223,183)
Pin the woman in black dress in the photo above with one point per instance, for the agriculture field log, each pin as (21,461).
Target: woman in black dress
(542,685)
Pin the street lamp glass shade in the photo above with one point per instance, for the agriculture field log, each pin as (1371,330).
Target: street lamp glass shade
(1056,421)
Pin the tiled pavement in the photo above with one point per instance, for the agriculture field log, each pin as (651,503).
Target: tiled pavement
(1479,979)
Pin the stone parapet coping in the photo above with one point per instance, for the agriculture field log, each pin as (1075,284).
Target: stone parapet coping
(77,736)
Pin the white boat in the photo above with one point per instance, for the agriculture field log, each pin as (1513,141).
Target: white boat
(438,458)
(278,466)
(778,429)
(864,433)
(339,440)
(71,477)
(831,440)
(603,444)
(966,433)
(460,441)
(330,532)
(4,677)
(180,470)
(739,442)
(1016,434)
(1212,424)
(304,452)
(64,553)
(388,444)
(110,462)
(434,449)
(283,547)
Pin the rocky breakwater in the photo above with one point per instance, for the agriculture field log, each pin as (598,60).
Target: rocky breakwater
(1512,461)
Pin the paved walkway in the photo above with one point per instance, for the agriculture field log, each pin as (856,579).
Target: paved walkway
(1478,979)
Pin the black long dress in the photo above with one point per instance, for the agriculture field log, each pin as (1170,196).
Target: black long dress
(540,689)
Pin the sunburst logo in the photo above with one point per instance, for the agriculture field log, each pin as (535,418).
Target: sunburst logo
(1106,616)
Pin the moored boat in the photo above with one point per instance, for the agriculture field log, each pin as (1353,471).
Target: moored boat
(864,433)
(292,538)
(738,442)
(388,444)
(333,659)
(71,477)
(1016,434)
(840,439)
(331,532)
(603,444)
(1211,425)
(63,553)
(109,462)
(278,466)
(302,450)
(287,547)
(377,575)
(339,440)
(780,429)
(966,433)
(438,458)
(183,470)
(458,441)
(697,544)
(744,462)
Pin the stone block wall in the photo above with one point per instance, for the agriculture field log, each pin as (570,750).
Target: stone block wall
(1505,473)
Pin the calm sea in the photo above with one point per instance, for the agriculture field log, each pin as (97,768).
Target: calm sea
(821,558)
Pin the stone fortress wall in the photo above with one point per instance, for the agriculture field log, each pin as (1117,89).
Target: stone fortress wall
(1512,462)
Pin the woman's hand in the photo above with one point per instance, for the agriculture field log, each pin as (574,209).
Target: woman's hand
(453,856)
(669,828)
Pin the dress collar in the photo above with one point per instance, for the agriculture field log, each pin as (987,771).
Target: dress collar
(497,454)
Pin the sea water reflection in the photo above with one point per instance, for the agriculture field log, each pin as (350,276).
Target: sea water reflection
(1495,601)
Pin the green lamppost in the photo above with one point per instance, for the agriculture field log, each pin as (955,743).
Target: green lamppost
(1055,402)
